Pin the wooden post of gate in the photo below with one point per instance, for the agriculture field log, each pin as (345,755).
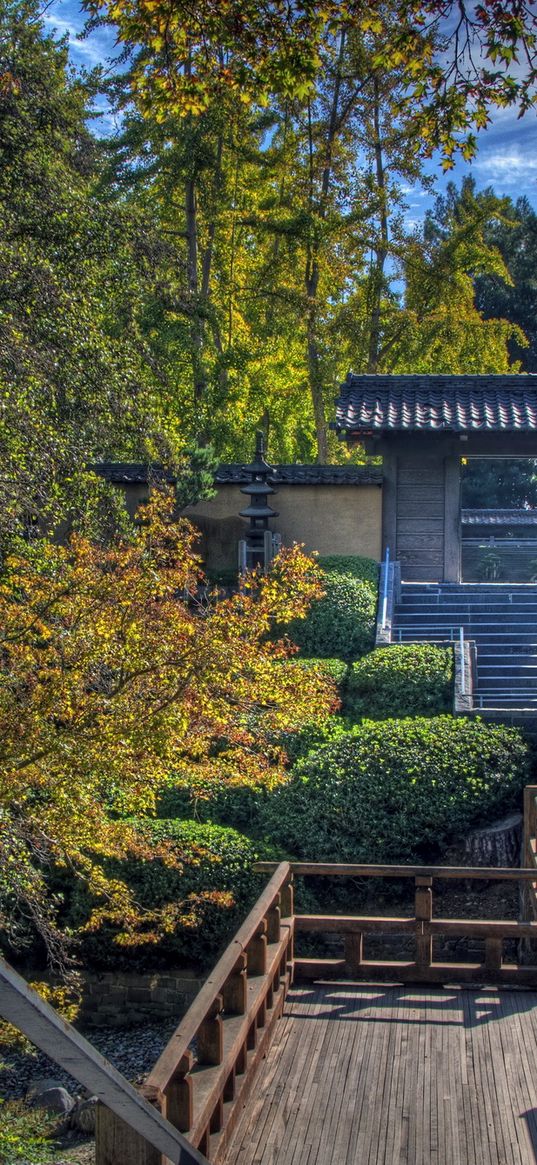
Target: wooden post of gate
(424,914)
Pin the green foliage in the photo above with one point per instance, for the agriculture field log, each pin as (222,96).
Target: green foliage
(414,679)
(341,624)
(335,668)
(499,483)
(26,1134)
(214,800)
(312,736)
(399,791)
(515,236)
(186,911)
(365,569)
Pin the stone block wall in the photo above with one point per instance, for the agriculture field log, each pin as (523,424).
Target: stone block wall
(121,999)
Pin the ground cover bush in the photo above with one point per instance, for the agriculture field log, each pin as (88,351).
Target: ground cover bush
(414,679)
(26,1134)
(400,790)
(185,911)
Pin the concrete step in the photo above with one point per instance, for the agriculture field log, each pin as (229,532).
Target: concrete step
(485,604)
(456,618)
(467,588)
(506,650)
(502,700)
(489,666)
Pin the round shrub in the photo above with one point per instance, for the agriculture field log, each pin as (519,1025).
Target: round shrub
(398,791)
(309,739)
(365,569)
(414,679)
(341,624)
(186,912)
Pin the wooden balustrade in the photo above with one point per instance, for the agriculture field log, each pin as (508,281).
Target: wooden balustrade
(203,1077)
(421,927)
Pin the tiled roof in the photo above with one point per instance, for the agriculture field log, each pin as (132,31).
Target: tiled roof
(460,404)
(132,472)
(306,475)
(499,517)
(136,473)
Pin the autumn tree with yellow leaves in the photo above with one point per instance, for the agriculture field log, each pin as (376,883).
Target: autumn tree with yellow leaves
(116,668)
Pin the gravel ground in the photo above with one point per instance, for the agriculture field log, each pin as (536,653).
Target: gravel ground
(132,1051)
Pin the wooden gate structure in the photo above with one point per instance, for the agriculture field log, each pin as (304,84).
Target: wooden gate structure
(205,1081)
(423,425)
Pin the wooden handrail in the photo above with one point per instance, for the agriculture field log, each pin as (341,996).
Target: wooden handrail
(203,1077)
(347,870)
(420,926)
(166,1066)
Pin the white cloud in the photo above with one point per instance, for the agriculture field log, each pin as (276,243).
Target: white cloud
(89,50)
(511,166)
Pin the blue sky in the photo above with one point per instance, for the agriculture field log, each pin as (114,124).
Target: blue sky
(507,153)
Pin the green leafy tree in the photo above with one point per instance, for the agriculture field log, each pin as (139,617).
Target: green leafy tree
(79,380)
(515,237)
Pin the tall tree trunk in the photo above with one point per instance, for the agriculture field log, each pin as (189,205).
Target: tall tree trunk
(312,273)
(381,253)
(196,327)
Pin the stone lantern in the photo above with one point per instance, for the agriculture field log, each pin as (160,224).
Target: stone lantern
(260,544)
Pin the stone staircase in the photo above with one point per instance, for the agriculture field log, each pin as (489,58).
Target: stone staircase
(501,618)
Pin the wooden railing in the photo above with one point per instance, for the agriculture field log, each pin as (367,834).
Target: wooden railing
(421,927)
(205,1073)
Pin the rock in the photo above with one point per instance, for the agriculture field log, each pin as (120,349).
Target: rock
(84,1115)
(40,1084)
(52,1095)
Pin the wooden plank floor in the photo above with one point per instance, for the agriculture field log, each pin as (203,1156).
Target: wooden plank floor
(384,1075)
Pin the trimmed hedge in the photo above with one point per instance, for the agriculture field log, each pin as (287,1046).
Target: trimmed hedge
(414,679)
(201,903)
(399,791)
(341,624)
(311,737)
(365,569)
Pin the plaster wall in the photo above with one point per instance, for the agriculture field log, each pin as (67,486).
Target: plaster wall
(329,519)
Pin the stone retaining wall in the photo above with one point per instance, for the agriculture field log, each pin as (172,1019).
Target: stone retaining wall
(122,999)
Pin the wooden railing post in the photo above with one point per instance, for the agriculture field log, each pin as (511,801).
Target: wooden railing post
(117,1142)
(288,899)
(354,952)
(273,921)
(530,824)
(235,991)
(211,1035)
(424,914)
(493,954)
(257,951)
(287,907)
(178,1097)
(529,889)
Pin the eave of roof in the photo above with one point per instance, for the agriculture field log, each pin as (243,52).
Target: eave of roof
(372,404)
(485,517)
(136,473)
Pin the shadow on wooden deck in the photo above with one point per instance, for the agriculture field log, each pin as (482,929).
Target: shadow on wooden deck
(427,1075)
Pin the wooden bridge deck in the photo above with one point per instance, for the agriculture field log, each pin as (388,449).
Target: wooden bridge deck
(380,1075)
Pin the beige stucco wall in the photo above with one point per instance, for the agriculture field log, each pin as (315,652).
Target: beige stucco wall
(329,519)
